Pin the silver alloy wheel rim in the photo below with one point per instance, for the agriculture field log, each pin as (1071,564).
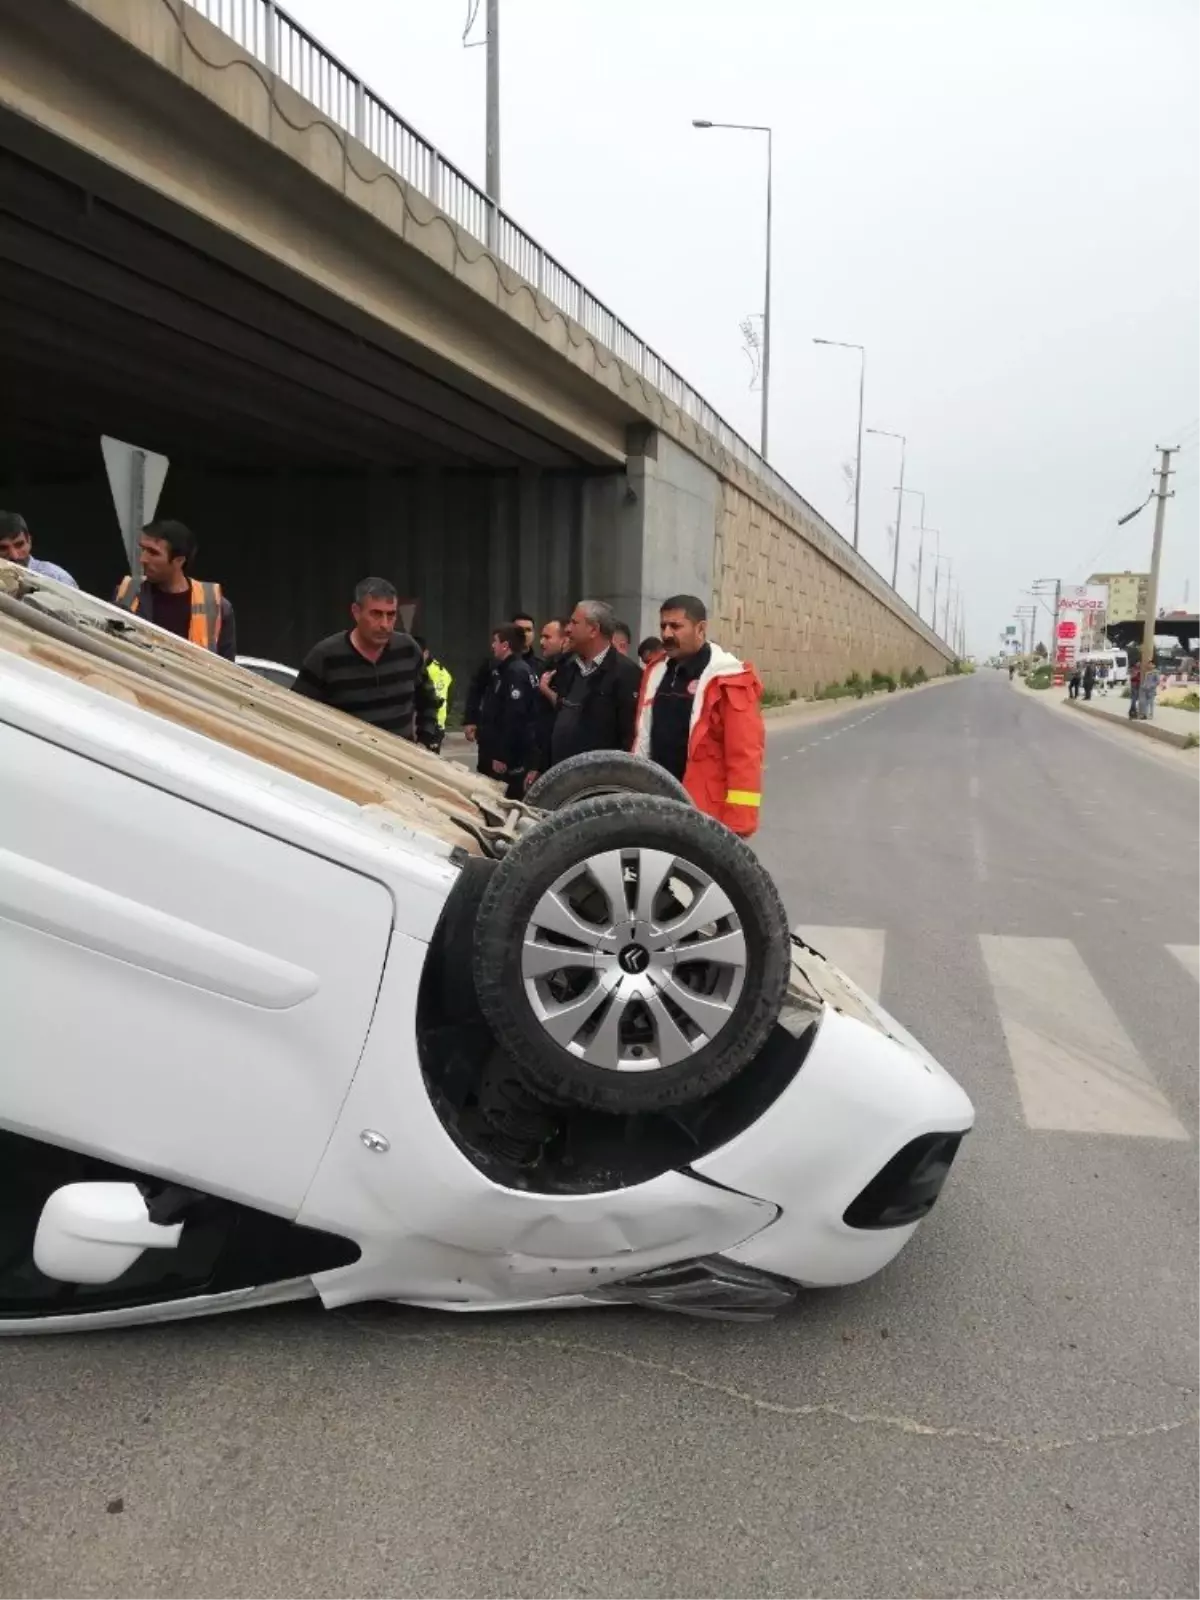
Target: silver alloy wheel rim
(634,960)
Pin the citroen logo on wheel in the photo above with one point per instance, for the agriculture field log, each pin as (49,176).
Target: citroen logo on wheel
(633,959)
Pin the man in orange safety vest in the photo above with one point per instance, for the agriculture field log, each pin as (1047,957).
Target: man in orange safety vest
(167,596)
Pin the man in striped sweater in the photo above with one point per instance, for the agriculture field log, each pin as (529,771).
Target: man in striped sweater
(372,672)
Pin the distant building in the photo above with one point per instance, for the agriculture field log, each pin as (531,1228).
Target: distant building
(1128,593)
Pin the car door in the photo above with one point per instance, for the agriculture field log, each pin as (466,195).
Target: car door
(183,994)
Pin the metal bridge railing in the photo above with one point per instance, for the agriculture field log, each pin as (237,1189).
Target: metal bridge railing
(266,31)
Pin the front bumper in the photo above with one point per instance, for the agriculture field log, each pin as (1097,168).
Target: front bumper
(833,1152)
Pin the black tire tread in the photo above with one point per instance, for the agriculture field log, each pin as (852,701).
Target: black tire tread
(577,777)
(519,879)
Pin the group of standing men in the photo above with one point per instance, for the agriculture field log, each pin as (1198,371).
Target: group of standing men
(682,702)
(526,711)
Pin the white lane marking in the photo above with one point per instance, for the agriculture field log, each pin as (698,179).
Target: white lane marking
(858,951)
(978,850)
(1188,956)
(1077,1070)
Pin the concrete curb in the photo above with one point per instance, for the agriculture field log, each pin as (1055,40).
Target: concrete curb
(1147,729)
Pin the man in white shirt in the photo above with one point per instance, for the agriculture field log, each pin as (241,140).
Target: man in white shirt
(16,545)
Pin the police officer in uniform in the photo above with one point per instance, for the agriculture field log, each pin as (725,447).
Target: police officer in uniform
(506,731)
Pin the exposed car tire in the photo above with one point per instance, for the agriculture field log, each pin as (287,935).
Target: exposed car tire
(599,772)
(631,954)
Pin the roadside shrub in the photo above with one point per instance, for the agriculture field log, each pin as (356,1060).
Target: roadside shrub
(919,676)
(883,680)
(1039,678)
(1187,701)
(776,697)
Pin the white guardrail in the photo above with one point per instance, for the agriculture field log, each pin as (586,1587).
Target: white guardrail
(268,33)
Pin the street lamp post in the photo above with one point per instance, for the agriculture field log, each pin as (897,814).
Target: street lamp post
(937,568)
(841,344)
(920,568)
(756,127)
(492,151)
(920,496)
(883,433)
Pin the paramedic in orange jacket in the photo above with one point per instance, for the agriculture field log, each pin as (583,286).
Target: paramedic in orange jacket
(699,717)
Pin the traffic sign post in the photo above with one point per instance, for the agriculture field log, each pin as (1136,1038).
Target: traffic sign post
(136,477)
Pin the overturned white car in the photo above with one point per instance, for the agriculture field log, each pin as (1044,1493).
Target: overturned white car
(291,1008)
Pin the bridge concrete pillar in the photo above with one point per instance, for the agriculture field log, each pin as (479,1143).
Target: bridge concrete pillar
(650,532)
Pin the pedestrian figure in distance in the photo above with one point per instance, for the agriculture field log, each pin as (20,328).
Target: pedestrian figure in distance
(167,595)
(649,650)
(700,717)
(622,637)
(1135,690)
(1012,670)
(1073,683)
(1149,692)
(16,544)
(374,672)
(1089,680)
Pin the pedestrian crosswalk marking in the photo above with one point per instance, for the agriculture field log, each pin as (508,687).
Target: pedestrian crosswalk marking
(1188,956)
(857,951)
(1077,1070)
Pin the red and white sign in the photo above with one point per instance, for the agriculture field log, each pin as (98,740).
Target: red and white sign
(1080,607)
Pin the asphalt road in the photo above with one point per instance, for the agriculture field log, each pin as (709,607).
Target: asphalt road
(1008,1410)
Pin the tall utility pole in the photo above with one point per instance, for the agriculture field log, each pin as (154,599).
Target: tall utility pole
(1027,616)
(1041,588)
(1162,494)
(493,113)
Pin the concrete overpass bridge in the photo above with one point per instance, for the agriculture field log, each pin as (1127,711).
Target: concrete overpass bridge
(221,245)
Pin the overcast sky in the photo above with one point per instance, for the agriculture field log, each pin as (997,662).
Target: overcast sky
(998,198)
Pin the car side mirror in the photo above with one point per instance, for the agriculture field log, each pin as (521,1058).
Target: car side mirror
(93,1232)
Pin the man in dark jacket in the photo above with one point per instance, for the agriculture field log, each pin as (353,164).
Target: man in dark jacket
(595,689)
(506,730)
(482,676)
(555,650)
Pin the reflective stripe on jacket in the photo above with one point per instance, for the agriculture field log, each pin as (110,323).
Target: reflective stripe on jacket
(441,677)
(727,741)
(204,628)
